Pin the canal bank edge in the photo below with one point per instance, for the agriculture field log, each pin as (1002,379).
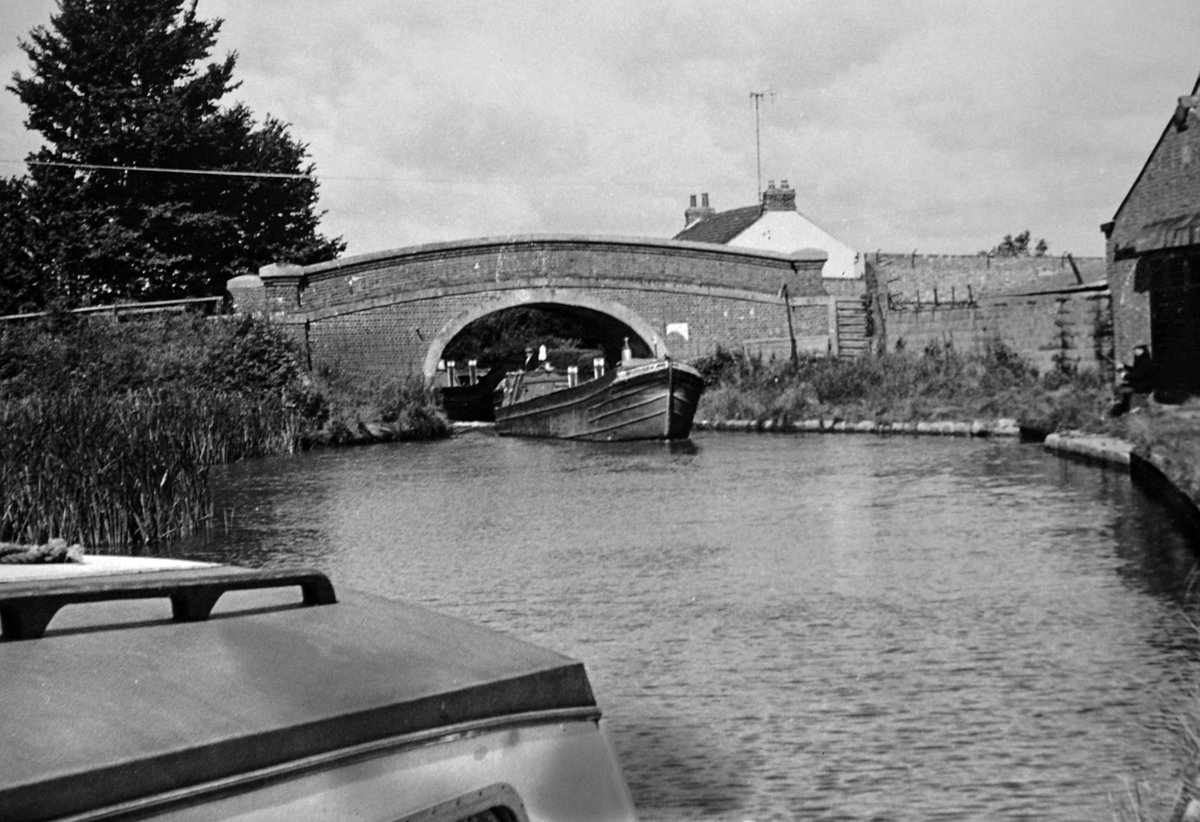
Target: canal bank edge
(1169,479)
(977,428)
(1158,474)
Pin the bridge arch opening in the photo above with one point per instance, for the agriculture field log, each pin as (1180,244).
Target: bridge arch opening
(497,332)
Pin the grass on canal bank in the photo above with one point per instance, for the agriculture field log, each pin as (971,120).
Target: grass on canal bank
(938,384)
(111,428)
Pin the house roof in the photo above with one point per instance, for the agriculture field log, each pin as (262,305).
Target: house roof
(722,227)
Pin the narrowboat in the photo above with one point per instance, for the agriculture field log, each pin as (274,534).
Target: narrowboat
(138,689)
(640,399)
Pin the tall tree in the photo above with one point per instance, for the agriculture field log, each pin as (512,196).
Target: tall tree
(124,95)
(19,288)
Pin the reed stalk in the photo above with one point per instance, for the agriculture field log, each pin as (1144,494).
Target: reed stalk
(126,470)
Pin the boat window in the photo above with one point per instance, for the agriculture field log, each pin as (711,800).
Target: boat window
(495,803)
(491,815)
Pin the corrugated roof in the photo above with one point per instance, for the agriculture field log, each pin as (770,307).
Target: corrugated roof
(721,228)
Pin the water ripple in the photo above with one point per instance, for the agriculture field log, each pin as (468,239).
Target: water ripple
(787,627)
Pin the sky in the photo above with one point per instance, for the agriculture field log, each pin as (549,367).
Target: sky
(935,126)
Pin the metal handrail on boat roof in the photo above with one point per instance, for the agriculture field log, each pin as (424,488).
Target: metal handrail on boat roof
(26,609)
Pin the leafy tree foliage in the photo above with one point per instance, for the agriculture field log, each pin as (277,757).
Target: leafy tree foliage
(122,86)
(1018,246)
(502,337)
(19,290)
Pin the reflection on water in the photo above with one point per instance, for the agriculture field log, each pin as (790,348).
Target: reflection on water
(782,627)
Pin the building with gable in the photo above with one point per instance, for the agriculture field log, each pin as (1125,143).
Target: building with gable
(1153,256)
(775,225)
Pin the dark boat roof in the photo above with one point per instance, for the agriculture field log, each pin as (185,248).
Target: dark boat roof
(105,711)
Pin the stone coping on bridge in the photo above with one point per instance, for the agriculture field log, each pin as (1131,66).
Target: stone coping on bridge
(809,256)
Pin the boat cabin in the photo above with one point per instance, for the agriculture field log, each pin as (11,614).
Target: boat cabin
(194,692)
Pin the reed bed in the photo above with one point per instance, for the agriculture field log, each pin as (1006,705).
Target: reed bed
(122,471)
(903,386)
(110,429)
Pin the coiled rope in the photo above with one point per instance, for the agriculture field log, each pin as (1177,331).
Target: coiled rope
(56,550)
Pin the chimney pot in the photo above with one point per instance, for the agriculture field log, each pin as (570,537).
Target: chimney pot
(695,214)
(779,199)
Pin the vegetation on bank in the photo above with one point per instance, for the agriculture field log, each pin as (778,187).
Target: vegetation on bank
(939,383)
(111,429)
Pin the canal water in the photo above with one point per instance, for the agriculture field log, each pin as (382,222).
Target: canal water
(786,626)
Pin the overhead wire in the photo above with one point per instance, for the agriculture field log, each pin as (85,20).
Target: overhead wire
(215,172)
(573,181)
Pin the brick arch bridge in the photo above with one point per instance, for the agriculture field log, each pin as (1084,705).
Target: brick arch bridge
(393,313)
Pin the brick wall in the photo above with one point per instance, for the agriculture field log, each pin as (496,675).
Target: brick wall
(1168,185)
(957,276)
(396,339)
(1071,327)
(1034,305)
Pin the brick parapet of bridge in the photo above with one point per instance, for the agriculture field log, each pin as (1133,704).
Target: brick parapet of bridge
(475,264)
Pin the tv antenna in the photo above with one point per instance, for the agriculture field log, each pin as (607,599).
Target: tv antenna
(757,97)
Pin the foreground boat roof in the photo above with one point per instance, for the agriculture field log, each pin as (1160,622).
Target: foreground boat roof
(102,709)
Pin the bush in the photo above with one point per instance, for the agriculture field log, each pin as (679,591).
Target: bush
(238,354)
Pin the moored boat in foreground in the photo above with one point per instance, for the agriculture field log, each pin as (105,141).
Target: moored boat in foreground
(281,706)
(637,400)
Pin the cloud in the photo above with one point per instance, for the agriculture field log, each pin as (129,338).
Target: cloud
(933,124)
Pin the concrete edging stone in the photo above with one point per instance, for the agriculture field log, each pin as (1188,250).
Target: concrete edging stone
(1095,449)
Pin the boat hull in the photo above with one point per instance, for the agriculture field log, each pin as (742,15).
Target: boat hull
(656,401)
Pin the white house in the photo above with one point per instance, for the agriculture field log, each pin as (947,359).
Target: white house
(773,225)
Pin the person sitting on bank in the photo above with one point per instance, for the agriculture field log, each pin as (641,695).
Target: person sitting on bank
(1136,378)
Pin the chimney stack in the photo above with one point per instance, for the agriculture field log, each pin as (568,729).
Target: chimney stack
(779,199)
(695,214)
